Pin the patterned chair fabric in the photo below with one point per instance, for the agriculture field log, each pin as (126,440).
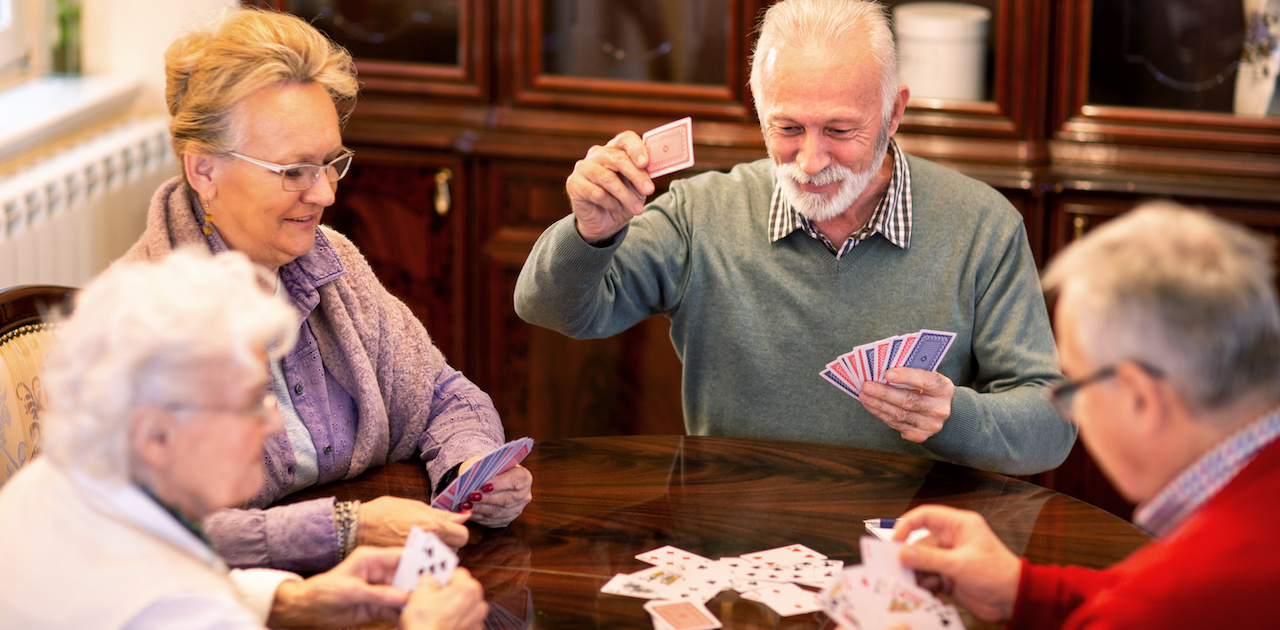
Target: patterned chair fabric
(24,340)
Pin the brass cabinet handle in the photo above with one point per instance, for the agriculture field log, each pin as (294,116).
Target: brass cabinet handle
(443,201)
(1079,223)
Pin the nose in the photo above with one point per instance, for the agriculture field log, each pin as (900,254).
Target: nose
(813,155)
(321,192)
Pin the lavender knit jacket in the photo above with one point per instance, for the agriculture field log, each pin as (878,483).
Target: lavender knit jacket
(378,390)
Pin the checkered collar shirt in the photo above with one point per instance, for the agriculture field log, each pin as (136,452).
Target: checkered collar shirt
(892,217)
(1206,477)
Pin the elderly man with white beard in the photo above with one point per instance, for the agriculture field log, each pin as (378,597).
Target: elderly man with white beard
(770,271)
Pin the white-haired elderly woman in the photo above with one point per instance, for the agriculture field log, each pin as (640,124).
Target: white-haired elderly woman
(257,102)
(157,414)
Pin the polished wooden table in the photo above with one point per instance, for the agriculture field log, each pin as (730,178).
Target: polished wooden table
(597,502)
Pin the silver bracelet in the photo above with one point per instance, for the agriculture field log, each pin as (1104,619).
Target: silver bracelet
(346,515)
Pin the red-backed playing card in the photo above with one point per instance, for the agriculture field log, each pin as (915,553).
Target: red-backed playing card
(670,147)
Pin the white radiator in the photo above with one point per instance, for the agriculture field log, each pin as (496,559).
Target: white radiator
(66,218)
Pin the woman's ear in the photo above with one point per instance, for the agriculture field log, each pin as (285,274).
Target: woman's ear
(151,437)
(199,170)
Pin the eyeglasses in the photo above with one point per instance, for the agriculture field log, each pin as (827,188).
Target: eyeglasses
(1063,395)
(260,412)
(299,177)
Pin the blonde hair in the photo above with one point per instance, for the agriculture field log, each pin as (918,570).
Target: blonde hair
(208,72)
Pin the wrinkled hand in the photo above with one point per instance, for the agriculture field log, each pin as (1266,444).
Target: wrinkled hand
(458,606)
(501,499)
(916,413)
(355,592)
(386,521)
(972,565)
(608,187)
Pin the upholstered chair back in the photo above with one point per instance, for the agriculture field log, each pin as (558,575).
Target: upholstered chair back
(25,337)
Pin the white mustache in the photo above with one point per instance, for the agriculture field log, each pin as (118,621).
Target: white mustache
(831,174)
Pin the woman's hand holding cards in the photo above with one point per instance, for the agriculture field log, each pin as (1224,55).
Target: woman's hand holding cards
(386,521)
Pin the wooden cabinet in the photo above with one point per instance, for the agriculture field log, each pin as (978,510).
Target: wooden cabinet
(487,104)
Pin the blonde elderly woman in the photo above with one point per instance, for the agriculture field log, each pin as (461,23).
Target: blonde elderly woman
(258,100)
(157,418)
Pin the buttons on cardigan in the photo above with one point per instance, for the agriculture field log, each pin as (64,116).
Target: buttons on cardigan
(328,450)
(297,389)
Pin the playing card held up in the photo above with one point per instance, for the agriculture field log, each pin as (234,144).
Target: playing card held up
(670,147)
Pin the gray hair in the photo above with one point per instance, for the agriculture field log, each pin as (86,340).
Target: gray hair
(834,25)
(1180,290)
(137,333)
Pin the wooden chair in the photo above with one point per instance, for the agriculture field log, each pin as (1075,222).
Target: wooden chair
(24,338)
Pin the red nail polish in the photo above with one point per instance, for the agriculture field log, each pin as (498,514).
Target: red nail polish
(475,496)
(488,487)
(465,506)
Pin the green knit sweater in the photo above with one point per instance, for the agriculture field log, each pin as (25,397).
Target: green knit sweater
(754,322)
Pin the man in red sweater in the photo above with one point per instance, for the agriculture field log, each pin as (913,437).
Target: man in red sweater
(1169,329)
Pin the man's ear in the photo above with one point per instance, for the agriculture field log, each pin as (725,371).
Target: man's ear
(899,108)
(199,170)
(1148,398)
(151,437)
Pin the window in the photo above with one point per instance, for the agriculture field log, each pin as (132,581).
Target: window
(19,58)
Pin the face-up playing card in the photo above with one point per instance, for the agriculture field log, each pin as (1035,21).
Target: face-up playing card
(788,556)
(785,599)
(498,461)
(684,615)
(672,556)
(881,559)
(424,552)
(670,147)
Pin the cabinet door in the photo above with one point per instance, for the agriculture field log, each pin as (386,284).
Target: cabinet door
(423,47)
(1155,96)
(672,57)
(547,385)
(404,212)
(1015,54)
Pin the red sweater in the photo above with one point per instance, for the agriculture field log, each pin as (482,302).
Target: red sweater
(1219,569)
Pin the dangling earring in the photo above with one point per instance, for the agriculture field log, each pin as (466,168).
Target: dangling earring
(208,218)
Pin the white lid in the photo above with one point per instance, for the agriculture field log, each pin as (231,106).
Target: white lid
(940,20)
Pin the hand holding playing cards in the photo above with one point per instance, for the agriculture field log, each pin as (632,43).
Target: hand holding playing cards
(609,186)
(385,522)
(500,500)
(459,605)
(918,411)
(977,570)
(355,592)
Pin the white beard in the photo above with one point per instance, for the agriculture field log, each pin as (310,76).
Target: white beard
(817,207)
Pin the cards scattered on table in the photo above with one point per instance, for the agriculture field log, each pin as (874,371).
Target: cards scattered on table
(881,593)
(502,459)
(670,147)
(424,552)
(878,593)
(869,362)
(769,577)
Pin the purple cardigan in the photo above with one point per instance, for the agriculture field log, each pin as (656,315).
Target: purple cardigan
(367,381)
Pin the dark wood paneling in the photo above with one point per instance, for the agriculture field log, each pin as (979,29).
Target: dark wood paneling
(387,205)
